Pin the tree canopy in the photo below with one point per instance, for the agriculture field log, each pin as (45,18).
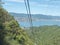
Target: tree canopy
(10,31)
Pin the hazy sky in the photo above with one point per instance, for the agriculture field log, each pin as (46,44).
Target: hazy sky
(47,7)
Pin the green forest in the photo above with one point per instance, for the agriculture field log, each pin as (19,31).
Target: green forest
(45,35)
(10,31)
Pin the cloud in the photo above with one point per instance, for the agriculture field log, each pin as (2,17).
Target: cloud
(16,0)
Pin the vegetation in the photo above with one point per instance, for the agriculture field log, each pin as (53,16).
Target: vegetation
(45,35)
(10,32)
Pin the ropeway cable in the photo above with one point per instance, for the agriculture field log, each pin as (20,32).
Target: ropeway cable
(27,5)
(29,15)
(28,12)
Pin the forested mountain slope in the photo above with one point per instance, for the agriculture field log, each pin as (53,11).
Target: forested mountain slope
(45,35)
(10,32)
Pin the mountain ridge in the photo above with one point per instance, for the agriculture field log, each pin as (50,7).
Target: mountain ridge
(35,17)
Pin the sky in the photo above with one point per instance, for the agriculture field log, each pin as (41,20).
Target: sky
(46,7)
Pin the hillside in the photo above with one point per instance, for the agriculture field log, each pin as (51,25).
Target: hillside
(35,17)
(45,35)
(10,31)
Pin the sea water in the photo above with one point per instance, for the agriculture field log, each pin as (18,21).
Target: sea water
(39,23)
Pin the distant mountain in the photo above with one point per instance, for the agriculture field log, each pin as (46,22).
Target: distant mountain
(35,17)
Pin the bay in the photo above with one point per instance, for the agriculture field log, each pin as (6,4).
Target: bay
(39,23)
